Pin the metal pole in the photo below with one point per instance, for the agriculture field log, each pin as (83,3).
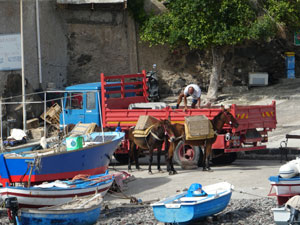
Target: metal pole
(63,115)
(100,110)
(1,125)
(45,112)
(22,61)
(38,38)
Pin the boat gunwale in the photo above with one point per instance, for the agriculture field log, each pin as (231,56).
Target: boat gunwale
(211,198)
(118,137)
(7,156)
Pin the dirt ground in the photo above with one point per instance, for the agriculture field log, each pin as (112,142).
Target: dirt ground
(249,177)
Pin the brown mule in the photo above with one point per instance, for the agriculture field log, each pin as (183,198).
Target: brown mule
(224,117)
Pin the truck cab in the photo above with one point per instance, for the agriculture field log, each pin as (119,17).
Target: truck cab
(81,103)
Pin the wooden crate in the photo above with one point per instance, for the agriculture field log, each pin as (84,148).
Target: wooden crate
(83,128)
(197,125)
(52,114)
(145,121)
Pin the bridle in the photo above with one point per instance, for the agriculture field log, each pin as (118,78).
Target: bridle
(166,133)
(228,119)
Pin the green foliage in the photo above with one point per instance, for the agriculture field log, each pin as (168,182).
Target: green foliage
(136,9)
(203,23)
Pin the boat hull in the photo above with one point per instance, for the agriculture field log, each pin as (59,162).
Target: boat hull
(181,209)
(37,197)
(84,218)
(60,165)
(285,188)
(58,215)
(188,213)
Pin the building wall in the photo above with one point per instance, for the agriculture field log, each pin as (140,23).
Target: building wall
(78,42)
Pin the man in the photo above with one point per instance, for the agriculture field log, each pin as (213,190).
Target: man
(190,90)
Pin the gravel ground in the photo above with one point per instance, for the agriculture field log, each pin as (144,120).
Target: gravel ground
(250,211)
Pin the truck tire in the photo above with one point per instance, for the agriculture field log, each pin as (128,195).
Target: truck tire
(121,158)
(226,158)
(186,153)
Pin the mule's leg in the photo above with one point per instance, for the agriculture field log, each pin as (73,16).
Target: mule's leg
(208,149)
(136,157)
(167,150)
(158,159)
(150,160)
(170,158)
(204,158)
(130,155)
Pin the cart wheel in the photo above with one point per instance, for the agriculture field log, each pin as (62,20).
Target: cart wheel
(121,158)
(186,153)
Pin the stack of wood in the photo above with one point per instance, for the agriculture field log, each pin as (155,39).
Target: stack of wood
(83,128)
(52,115)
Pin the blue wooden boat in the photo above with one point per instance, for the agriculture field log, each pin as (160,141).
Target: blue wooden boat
(59,163)
(80,211)
(59,191)
(193,204)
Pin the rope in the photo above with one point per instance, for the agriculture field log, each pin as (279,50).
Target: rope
(247,193)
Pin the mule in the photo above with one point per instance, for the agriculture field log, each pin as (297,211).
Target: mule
(159,133)
(224,117)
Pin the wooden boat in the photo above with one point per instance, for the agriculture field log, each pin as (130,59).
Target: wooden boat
(190,205)
(59,163)
(58,192)
(285,188)
(80,211)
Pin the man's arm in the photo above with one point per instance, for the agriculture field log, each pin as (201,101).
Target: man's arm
(199,101)
(185,101)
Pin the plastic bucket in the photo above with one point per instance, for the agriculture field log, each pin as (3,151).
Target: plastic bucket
(74,143)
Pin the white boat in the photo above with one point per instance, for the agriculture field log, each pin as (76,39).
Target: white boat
(58,192)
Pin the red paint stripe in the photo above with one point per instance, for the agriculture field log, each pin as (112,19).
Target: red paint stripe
(52,177)
(286,185)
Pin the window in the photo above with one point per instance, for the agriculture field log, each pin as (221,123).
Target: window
(75,101)
(90,100)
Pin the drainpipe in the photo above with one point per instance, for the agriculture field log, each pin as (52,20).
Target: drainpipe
(37,13)
(22,61)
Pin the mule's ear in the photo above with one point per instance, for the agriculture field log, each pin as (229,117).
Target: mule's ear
(223,108)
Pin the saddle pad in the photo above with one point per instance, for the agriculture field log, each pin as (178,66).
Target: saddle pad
(145,121)
(198,128)
(142,133)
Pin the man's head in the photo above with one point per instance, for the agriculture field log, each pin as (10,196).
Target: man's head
(191,90)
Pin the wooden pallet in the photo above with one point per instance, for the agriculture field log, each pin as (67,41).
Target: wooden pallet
(83,128)
(52,115)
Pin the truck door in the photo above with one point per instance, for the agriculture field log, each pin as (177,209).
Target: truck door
(92,108)
(74,108)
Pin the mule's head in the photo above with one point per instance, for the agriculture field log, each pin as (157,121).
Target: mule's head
(229,118)
(168,129)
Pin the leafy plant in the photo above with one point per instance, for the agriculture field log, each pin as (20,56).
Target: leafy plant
(218,24)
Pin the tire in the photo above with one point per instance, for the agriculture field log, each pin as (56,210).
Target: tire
(186,153)
(121,158)
(226,158)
